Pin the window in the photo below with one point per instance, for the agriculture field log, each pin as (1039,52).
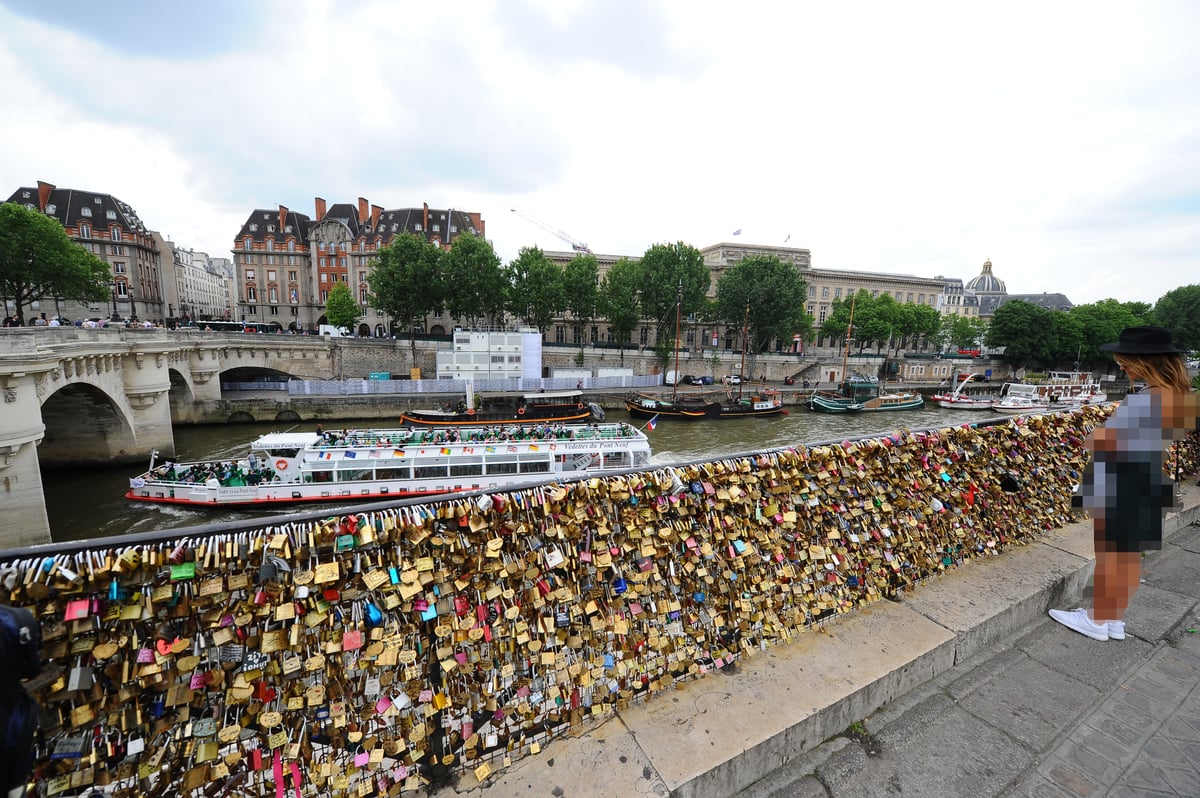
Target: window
(270,228)
(417,227)
(837,293)
(920,299)
(274,311)
(122,289)
(825,292)
(899,296)
(251,294)
(85,231)
(909,297)
(247,242)
(249,274)
(362,295)
(437,228)
(291,243)
(116,249)
(85,211)
(812,292)
(110,214)
(362,277)
(119,267)
(294,296)
(272,294)
(253,228)
(291,260)
(114,233)
(322,263)
(291,277)
(324,297)
(324,277)
(874,293)
(270,275)
(51,208)
(270,244)
(270,260)
(341,263)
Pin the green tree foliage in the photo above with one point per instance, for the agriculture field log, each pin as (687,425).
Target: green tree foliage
(1179,311)
(581,280)
(1099,323)
(38,260)
(340,308)
(535,288)
(1027,332)
(775,294)
(617,300)
(664,268)
(960,332)
(475,288)
(839,318)
(406,282)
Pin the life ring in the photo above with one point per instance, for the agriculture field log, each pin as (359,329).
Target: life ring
(470,411)
(281,465)
(520,411)
(579,406)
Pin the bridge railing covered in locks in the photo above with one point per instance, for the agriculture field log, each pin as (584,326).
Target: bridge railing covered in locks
(368,654)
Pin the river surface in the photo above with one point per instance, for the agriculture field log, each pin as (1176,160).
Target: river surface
(90,503)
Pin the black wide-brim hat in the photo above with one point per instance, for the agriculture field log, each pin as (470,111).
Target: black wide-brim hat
(1142,341)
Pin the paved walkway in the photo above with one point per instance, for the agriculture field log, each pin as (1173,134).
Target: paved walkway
(1047,713)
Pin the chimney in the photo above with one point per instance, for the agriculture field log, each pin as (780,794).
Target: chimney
(44,190)
(425,217)
(362,210)
(283,212)
(375,211)
(320,210)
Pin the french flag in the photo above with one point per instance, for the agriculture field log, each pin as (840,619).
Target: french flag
(652,423)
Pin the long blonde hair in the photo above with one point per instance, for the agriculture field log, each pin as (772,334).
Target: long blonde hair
(1163,370)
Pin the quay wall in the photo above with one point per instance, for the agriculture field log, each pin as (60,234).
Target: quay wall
(412,642)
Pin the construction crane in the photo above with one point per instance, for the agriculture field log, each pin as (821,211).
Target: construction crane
(575,243)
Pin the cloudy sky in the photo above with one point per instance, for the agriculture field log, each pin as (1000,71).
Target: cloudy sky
(1061,140)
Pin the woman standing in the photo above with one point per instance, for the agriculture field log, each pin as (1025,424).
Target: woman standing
(1125,489)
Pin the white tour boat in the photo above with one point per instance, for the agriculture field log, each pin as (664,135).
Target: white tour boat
(1062,390)
(379,464)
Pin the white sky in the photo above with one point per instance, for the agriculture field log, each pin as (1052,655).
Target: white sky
(1061,140)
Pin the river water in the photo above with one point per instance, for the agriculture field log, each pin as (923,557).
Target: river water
(90,503)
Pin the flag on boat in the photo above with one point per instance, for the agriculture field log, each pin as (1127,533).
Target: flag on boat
(652,423)
(489,449)
(397,452)
(350,455)
(326,455)
(445,450)
(533,447)
(737,232)
(137,482)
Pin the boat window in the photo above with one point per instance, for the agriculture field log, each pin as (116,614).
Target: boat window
(502,467)
(319,476)
(538,466)
(353,474)
(393,473)
(466,469)
(430,472)
(283,452)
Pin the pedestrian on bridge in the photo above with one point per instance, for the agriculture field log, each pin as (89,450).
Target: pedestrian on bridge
(1124,487)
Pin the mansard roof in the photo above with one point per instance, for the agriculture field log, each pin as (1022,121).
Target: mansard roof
(263,223)
(73,206)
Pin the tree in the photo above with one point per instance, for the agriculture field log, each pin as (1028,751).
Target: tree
(617,301)
(580,284)
(475,290)
(406,282)
(38,259)
(773,291)
(1099,323)
(340,308)
(1179,311)
(664,267)
(535,288)
(1026,331)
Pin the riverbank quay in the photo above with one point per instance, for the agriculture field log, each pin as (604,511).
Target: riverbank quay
(415,643)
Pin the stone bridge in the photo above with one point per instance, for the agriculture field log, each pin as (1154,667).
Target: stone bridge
(78,396)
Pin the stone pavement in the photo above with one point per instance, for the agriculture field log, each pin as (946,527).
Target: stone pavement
(963,688)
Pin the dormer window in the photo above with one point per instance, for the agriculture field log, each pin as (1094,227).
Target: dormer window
(287,229)
(50,209)
(110,214)
(253,228)
(85,211)
(417,227)
(270,228)
(24,195)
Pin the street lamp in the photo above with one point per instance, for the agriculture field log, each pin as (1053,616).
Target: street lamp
(113,287)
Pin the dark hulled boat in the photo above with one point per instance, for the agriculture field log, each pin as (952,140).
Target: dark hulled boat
(544,407)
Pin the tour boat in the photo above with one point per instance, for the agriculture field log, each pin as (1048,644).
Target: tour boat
(544,407)
(1062,390)
(378,464)
(957,400)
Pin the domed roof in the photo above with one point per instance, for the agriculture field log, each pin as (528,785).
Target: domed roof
(986,282)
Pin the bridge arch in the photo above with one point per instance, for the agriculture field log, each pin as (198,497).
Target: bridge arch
(86,424)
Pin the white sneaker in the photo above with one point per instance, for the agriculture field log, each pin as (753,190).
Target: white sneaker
(1079,621)
(1116,630)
